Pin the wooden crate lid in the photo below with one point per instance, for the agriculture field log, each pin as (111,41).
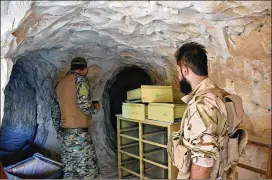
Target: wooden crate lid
(134,90)
(155,87)
(134,104)
(150,87)
(167,105)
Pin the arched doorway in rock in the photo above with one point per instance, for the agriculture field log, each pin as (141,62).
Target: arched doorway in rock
(128,79)
(115,94)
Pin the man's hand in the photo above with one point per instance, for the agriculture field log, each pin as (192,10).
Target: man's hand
(97,107)
(200,172)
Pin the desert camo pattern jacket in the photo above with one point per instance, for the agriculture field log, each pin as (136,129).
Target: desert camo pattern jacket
(205,127)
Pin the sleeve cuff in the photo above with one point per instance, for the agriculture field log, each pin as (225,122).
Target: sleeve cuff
(204,162)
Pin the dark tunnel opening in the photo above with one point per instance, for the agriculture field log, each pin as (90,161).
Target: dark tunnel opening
(129,78)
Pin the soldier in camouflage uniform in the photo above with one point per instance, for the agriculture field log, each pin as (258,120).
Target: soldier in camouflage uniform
(204,127)
(71,114)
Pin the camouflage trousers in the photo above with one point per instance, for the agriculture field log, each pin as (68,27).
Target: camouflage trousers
(78,155)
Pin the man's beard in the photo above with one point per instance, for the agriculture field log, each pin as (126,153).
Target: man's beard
(185,87)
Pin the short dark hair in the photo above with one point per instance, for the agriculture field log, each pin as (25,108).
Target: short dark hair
(78,63)
(194,56)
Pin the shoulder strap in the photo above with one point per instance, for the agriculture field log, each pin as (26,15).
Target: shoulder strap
(234,106)
(238,103)
(217,91)
(213,90)
(235,112)
(183,122)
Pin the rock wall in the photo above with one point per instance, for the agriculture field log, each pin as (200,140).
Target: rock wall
(28,103)
(115,34)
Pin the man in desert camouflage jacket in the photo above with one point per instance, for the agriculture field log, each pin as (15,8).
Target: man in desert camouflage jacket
(71,114)
(205,122)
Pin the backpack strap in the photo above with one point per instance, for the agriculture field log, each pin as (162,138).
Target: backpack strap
(237,101)
(217,91)
(234,107)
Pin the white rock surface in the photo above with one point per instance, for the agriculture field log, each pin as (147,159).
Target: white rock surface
(113,34)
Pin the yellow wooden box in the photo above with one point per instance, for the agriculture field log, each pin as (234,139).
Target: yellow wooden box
(149,94)
(134,111)
(165,112)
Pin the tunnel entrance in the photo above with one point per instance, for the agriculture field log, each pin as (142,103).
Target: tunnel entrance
(129,78)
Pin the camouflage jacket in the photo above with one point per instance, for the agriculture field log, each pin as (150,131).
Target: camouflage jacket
(83,96)
(205,123)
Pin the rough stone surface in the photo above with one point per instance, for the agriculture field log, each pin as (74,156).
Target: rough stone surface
(20,118)
(29,94)
(115,34)
(256,157)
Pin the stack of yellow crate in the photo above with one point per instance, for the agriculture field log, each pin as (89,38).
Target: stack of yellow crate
(153,102)
(148,118)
